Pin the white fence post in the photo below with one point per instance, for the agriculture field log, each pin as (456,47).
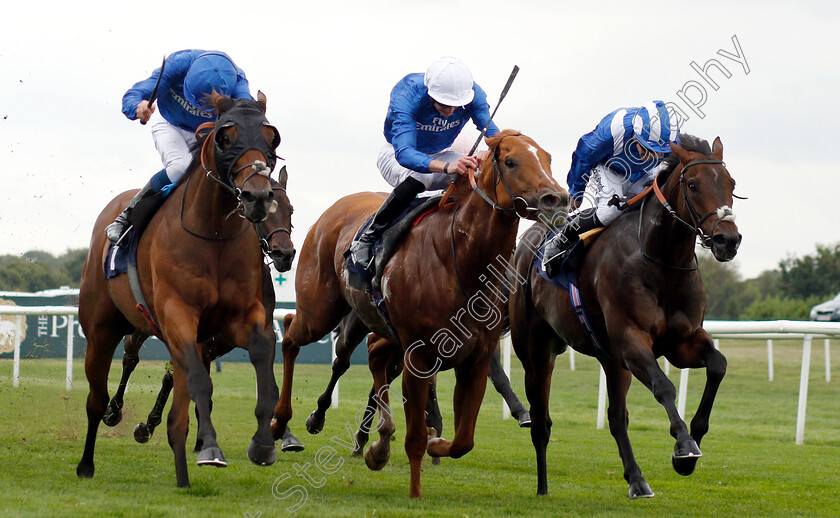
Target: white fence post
(334,399)
(770,359)
(602,397)
(681,396)
(667,366)
(803,390)
(17,340)
(571,359)
(69,380)
(827,360)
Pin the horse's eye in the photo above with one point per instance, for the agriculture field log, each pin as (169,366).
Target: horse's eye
(692,186)
(510,163)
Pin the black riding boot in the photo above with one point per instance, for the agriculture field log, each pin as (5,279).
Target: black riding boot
(557,248)
(397,201)
(139,212)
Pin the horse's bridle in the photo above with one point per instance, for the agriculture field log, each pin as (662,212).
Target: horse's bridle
(723,213)
(520,206)
(264,245)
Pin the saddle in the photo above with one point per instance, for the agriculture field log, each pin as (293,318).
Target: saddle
(384,248)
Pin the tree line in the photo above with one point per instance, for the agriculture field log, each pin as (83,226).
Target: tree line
(787,292)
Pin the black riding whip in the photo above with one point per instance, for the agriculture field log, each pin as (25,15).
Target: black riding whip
(157,84)
(504,93)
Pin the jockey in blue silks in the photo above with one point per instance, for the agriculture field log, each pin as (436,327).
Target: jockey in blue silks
(618,159)
(425,115)
(189,77)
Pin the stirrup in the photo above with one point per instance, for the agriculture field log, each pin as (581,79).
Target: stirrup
(362,254)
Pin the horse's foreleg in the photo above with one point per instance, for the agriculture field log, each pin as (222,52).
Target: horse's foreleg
(618,382)
(363,433)
(699,351)
(351,331)
(434,421)
(261,351)
(502,385)
(380,451)
(177,425)
(639,358)
(415,392)
(470,384)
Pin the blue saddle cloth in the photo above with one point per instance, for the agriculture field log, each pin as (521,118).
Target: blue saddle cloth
(566,278)
(569,265)
(118,258)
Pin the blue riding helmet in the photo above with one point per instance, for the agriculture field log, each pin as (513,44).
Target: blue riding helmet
(210,71)
(655,128)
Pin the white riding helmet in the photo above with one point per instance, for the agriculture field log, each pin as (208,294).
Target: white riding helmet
(449,82)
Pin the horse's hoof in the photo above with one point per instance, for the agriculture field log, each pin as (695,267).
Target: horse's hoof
(211,456)
(435,461)
(112,417)
(684,466)
(262,455)
(640,489)
(524,420)
(687,449)
(142,433)
(376,462)
(315,423)
(84,471)
(356,452)
(290,443)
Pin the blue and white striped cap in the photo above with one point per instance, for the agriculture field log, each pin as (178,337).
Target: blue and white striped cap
(655,128)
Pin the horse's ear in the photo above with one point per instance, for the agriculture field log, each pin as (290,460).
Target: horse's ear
(495,139)
(717,149)
(283,177)
(261,100)
(220,102)
(681,153)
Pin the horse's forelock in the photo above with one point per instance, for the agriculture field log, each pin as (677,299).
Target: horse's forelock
(689,143)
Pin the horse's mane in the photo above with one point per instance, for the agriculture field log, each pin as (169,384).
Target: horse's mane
(689,143)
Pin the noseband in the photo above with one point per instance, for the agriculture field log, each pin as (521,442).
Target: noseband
(264,238)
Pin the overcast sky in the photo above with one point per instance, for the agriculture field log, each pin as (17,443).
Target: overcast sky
(327,69)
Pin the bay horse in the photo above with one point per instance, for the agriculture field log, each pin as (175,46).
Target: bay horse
(276,243)
(201,271)
(434,280)
(644,297)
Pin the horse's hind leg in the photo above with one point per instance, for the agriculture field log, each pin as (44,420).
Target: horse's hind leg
(351,331)
(144,431)
(699,351)
(132,344)
(393,370)
(618,382)
(502,385)
(434,421)
(379,359)
(102,341)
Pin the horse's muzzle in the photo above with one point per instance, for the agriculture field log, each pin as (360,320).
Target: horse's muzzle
(283,259)
(552,208)
(725,245)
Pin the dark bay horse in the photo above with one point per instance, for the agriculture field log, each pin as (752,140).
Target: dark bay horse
(277,246)
(439,279)
(201,270)
(644,297)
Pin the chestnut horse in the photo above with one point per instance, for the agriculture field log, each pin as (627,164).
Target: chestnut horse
(201,271)
(433,280)
(276,243)
(644,297)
